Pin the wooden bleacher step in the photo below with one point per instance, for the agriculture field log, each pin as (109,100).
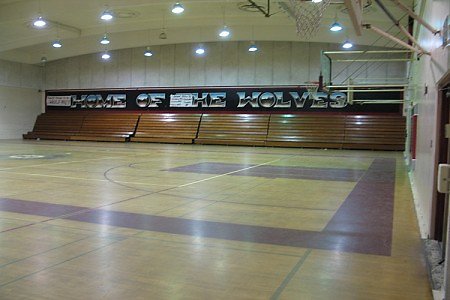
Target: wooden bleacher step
(167,128)
(233,129)
(375,132)
(306,130)
(107,127)
(56,126)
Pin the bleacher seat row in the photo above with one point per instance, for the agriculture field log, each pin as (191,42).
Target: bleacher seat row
(381,132)
(167,128)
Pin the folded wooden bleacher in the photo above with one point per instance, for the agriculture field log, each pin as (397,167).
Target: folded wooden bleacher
(375,132)
(56,126)
(107,127)
(167,128)
(306,130)
(233,129)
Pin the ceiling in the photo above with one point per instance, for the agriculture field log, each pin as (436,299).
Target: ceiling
(141,22)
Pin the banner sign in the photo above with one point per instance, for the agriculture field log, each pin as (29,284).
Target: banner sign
(58,101)
(213,99)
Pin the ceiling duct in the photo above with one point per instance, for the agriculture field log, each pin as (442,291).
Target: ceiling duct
(125,13)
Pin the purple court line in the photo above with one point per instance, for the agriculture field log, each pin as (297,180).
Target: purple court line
(329,174)
(369,208)
(227,231)
(363,223)
(37,208)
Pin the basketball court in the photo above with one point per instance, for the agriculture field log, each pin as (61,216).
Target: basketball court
(140,221)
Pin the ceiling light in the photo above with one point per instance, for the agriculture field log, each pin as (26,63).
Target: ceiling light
(336,27)
(347,44)
(253,47)
(104,40)
(147,52)
(200,50)
(106,56)
(177,8)
(224,32)
(57,44)
(107,15)
(40,22)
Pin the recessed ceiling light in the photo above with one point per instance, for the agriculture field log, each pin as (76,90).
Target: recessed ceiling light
(177,8)
(104,40)
(57,44)
(225,32)
(200,50)
(40,22)
(147,52)
(252,48)
(347,44)
(107,15)
(106,56)
(336,27)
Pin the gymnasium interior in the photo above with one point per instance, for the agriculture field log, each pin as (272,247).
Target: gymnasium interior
(239,149)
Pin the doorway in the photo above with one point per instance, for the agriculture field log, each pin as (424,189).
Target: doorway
(440,204)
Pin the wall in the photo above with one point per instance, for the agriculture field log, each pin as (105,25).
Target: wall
(20,100)
(427,72)
(225,64)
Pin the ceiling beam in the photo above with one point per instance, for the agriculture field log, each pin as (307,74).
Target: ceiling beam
(355,10)
(415,17)
(397,23)
(394,39)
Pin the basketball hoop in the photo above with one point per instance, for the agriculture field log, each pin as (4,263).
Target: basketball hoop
(307,15)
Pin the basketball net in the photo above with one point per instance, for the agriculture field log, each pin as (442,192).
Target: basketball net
(308,16)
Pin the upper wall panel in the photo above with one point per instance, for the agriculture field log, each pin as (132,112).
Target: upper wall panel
(20,75)
(223,64)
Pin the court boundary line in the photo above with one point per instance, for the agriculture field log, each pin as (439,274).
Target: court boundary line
(276,295)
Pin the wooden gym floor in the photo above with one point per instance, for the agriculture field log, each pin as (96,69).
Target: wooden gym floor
(82,220)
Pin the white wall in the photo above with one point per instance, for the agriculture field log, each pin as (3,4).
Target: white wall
(225,64)
(427,72)
(18,110)
(20,100)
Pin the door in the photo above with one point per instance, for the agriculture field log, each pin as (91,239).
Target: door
(440,210)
